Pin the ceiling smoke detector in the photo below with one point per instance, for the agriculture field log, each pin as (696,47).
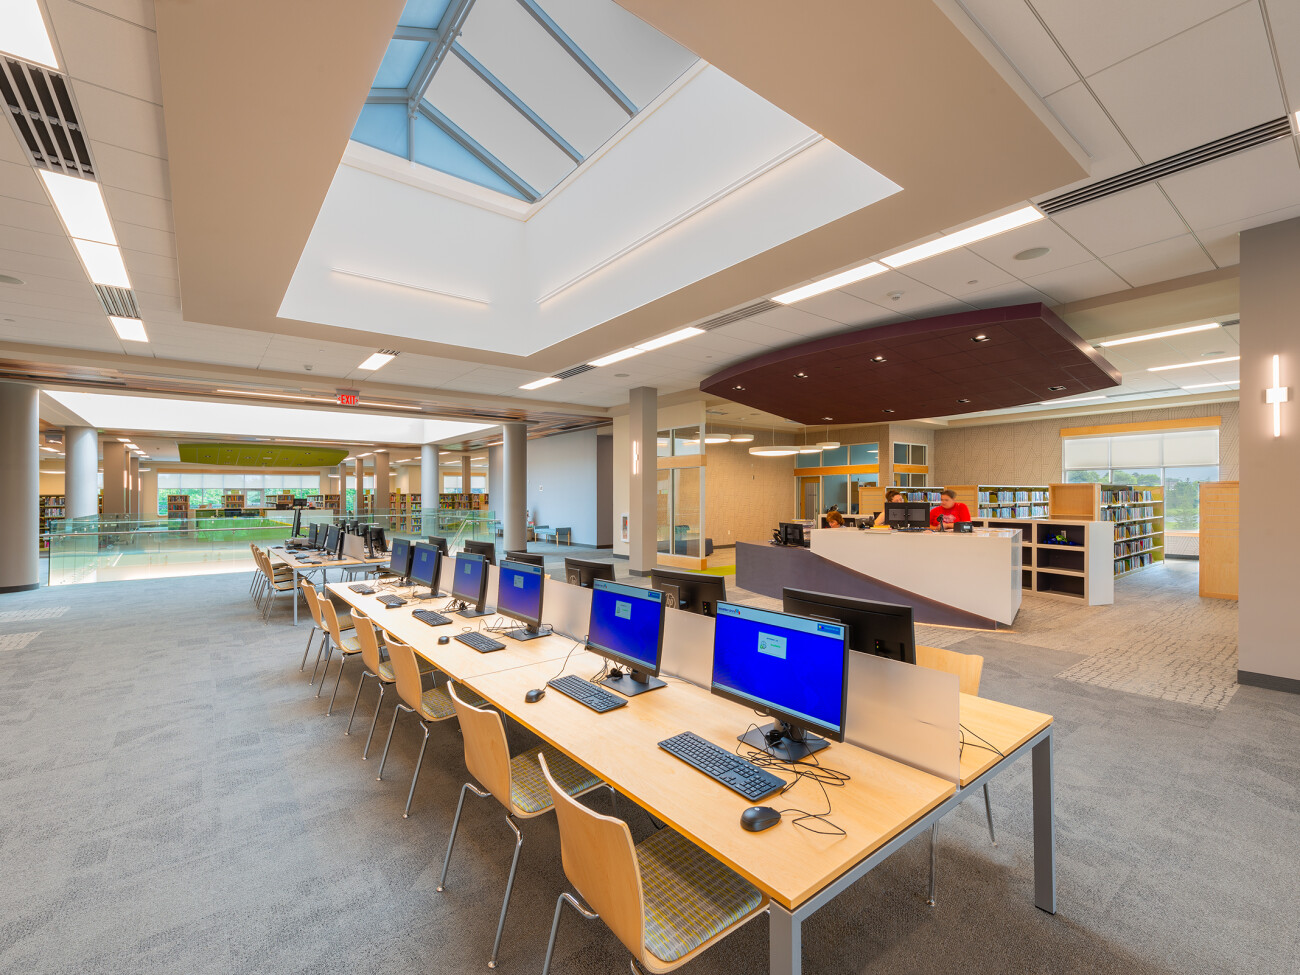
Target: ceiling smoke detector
(1033,253)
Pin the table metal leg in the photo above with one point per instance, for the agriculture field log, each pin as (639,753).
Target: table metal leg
(785,942)
(297,588)
(1044,828)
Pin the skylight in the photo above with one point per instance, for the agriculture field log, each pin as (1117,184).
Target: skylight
(513,95)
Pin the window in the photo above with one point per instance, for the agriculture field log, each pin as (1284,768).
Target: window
(1177,461)
(912,454)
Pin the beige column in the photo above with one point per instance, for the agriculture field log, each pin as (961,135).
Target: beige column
(465,474)
(20,488)
(133,486)
(643,474)
(115,480)
(80,487)
(358,475)
(382,488)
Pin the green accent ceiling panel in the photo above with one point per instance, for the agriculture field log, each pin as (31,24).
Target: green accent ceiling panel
(260,455)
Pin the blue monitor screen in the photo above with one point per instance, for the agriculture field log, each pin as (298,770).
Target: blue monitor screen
(627,624)
(424,565)
(789,666)
(467,584)
(519,592)
(399,559)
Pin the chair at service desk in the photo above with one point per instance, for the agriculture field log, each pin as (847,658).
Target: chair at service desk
(666,899)
(968,667)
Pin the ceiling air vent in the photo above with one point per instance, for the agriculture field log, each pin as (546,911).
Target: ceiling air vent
(575,371)
(41,111)
(118,301)
(1278,128)
(734,316)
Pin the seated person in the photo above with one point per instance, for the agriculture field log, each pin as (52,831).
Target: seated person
(834,519)
(949,511)
(894,497)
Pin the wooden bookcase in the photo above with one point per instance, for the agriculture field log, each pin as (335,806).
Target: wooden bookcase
(1136,511)
(1012,501)
(52,507)
(1069,558)
(1220,514)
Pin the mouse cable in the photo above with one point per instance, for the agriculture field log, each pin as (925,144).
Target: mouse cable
(988,745)
(822,776)
(565,664)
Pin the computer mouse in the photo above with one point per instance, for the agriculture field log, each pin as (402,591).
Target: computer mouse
(535,695)
(443,641)
(758,818)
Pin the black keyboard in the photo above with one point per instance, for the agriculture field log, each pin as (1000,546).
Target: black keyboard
(363,589)
(391,601)
(430,617)
(585,692)
(723,766)
(479,641)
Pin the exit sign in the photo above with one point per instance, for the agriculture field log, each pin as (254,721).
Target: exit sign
(348,399)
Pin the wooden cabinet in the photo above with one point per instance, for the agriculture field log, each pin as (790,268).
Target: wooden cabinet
(1220,506)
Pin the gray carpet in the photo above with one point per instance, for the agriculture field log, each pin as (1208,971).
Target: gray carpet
(174,800)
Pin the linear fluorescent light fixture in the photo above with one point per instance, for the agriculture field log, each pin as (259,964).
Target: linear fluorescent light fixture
(249,392)
(129,329)
(616,357)
(380,358)
(1160,335)
(103,263)
(388,406)
(1188,365)
(960,238)
(1230,382)
(81,206)
(860,273)
(1067,402)
(24,35)
(539,383)
(682,333)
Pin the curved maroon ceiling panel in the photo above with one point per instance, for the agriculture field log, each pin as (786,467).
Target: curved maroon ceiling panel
(964,363)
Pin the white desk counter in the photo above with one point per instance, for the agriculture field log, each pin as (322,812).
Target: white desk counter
(979,572)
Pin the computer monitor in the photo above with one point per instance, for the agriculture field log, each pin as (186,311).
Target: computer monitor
(333,541)
(627,627)
(789,667)
(425,562)
(469,584)
(300,502)
(399,559)
(376,540)
(907,515)
(313,535)
(792,533)
(529,557)
(440,543)
(585,573)
(486,549)
(883,629)
(694,592)
(519,596)
(297,523)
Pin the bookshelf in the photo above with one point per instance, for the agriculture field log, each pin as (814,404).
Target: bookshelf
(53,507)
(1012,501)
(872,498)
(1065,558)
(471,502)
(1137,513)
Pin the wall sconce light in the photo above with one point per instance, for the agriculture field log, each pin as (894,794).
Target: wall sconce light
(1277,394)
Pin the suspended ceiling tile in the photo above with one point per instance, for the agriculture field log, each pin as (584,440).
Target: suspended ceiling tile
(459,94)
(1122,222)
(844,307)
(23,263)
(1087,280)
(129,170)
(958,273)
(45,243)
(1083,117)
(24,215)
(146,240)
(1023,39)
(152,264)
(127,122)
(146,211)
(1160,261)
(1238,187)
(797,320)
(641,61)
(106,50)
(19,181)
(517,50)
(136,11)
(1224,243)
(915,296)
(752,330)
(1284,22)
(1017,293)
(1063,250)
(1170,98)
(11,149)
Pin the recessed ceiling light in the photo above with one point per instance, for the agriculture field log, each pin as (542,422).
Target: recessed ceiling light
(677,336)
(1032,253)
(25,35)
(380,358)
(1206,355)
(80,205)
(1185,365)
(963,401)
(103,263)
(980,338)
(1162,335)
(828,418)
(878,358)
(621,375)
(613,357)
(887,411)
(129,329)
(10,279)
(860,273)
(960,238)
(738,387)
(1055,389)
(124,439)
(801,375)
(539,383)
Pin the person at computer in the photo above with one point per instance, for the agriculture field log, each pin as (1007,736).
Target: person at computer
(949,511)
(834,519)
(894,497)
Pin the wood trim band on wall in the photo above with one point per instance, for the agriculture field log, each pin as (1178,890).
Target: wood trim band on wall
(824,471)
(1186,423)
(675,463)
(911,468)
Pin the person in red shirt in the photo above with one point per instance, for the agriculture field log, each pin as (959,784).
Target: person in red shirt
(949,512)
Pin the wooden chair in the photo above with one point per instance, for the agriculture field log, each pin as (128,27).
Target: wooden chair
(314,596)
(666,899)
(372,659)
(431,705)
(968,667)
(517,783)
(275,583)
(348,646)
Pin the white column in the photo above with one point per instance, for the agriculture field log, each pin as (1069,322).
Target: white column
(512,495)
(429,483)
(20,488)
(359,478)
(643,474)
(133,486)
(115,475)
(81,487)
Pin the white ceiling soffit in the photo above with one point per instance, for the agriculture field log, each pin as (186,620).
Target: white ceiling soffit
(708,176)
(234,420)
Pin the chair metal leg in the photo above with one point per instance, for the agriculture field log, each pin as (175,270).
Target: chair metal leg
(374,721)
(329,652)
(324,642)
(384,758)
(930,900)
(988,811)
(510,885)
(356,700)
(419,762)
(343,661)
(310,637)
(455,825)
(555,925)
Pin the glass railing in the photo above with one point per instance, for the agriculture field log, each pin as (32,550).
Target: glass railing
(114,548)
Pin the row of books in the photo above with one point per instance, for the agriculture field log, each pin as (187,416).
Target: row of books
(1013,497)
(930,497)
(1134,529)
(1014,511)
(1126,514)
(1124,495)
(1133,562)
(1133,547)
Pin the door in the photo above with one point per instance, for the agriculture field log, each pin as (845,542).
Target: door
(810,496)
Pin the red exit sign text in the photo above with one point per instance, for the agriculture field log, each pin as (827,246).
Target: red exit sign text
(348,399)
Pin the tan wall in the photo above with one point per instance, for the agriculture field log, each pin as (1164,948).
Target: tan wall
(745,496)
(1030,452)
(52,482)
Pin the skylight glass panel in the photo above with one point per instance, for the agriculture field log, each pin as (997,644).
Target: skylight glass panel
(399,64)
(383,127)
(436,149)
(423,13)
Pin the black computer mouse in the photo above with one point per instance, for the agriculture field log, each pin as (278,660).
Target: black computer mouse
(535,695)
(443,641)
(758,818)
